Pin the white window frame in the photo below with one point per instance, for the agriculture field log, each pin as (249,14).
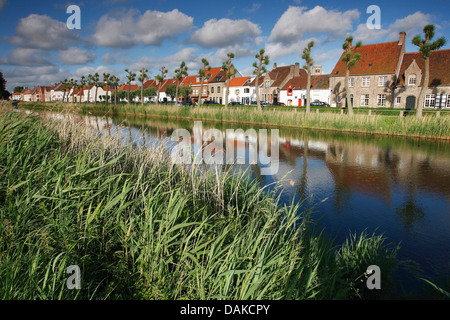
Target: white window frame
(338,99)
(381,100)
(351,82)
(398,100)
(365,82)
(212,89)
(267,84)
(412,79)
(382,81)
(364,100)
(430,99)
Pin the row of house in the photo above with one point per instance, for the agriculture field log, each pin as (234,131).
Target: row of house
(386,76)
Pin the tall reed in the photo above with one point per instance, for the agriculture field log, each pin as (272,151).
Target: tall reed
(140,227)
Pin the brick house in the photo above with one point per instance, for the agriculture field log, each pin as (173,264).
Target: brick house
(271,83)
(217,87)
(294,91)
(372,80)
(410,80)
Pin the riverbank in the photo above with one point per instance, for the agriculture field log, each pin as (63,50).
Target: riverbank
(140,227)
(429,127)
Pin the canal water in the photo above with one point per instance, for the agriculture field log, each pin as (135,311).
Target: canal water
(397,187)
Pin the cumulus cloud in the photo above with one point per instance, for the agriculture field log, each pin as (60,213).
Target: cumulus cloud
(296,21)
(75,56)
(34,76)
(411,24)
(25,57)
(225,32)
(42,32)
(132,28)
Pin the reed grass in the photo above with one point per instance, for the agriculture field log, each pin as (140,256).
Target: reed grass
(429,126)
(140,227)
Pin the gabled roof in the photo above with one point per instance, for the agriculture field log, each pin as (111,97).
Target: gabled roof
(279,74)
(238,82)
(166,83)
(317,82)
(379,58)
(125,87)
(439,67)
(260,81)
(220,76)
(188,81)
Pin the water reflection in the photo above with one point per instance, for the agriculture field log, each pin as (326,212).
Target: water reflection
(400,187)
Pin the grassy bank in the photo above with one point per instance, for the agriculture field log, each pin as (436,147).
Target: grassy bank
(140,227)
(428,127)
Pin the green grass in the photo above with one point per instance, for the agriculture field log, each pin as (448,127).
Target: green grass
(140,227)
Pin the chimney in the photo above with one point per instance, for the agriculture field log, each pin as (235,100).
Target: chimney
(297,70)
(402,39)
(274,65)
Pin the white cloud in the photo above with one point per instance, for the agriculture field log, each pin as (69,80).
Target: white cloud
(75,56)
(296,21)
(132,28)
(33,76)
(25,57)
(225,32)
(43,32)
(411,24)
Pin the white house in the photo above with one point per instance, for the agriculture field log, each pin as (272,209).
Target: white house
(240,90)
(294,91)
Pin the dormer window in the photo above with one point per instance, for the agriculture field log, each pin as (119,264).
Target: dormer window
(290,89)
(412,80)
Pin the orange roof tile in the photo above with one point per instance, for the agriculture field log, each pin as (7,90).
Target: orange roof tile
(379,58)
(238,82)
(439,67)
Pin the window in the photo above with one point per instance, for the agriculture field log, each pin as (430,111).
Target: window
(430,100)
(218,89)
(412,80)
(382,81)
(366,82)
(246,90)
(267,84)
(212,89)
(338,99)
(398,100)
(364,100)
(351,82)
(289,89)
(448,101)
(237,91)
(381,101)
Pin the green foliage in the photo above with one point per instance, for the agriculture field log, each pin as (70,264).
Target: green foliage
(141,227)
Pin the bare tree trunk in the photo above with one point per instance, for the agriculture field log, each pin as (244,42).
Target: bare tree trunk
(227,93)
(200,93)
(308,91)
(347,93)
(257,93)
(426,79)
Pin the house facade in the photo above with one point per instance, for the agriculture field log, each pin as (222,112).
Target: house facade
(410,81)
(372,80)
(270,84)
(294,91)
(240,90)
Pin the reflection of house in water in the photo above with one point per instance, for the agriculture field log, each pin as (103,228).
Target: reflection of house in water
(373,170)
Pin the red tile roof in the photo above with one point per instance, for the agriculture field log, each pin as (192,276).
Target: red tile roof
(379,58)
(238,82)
(439,67)
(317,82)
(125,87)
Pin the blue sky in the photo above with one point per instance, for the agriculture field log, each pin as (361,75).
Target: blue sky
(37,48)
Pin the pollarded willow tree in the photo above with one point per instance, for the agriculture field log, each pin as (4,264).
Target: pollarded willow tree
(350,58)
(131,76)
(181,72)
(202,73)
(308,63)
(160,78)
(426,47)
(260,70)
(115,82)
(142,78)
(230,71)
